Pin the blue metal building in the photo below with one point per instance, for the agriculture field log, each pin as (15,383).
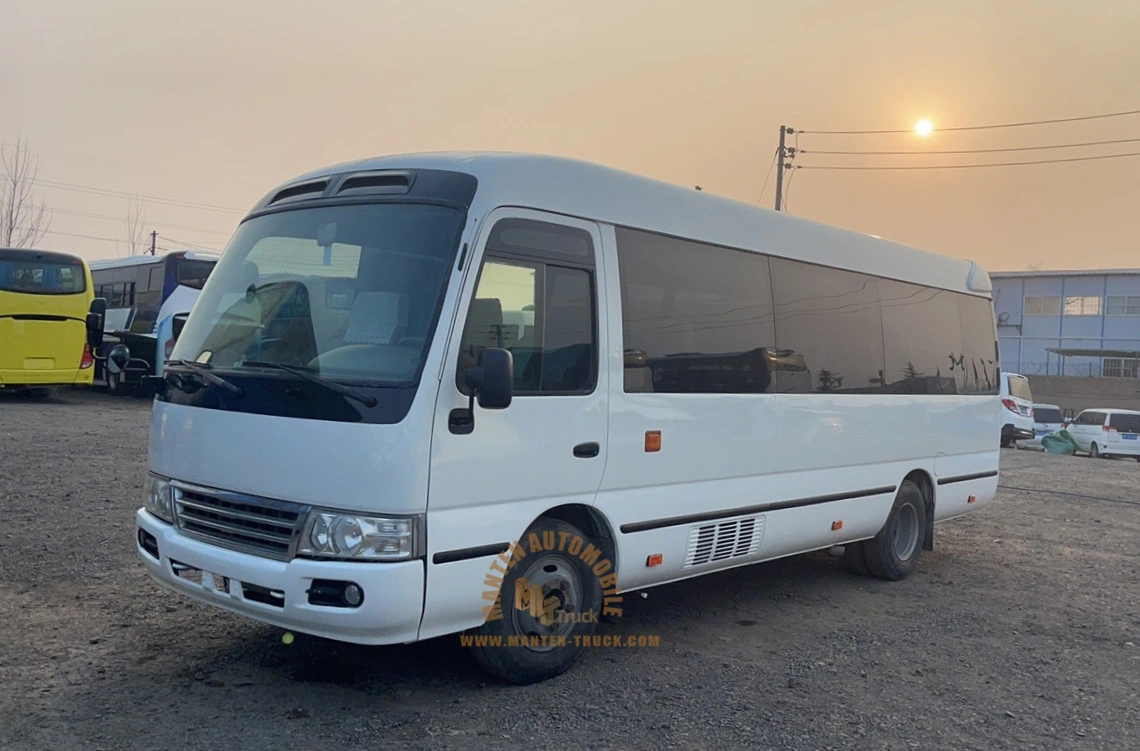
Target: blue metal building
(1075,323)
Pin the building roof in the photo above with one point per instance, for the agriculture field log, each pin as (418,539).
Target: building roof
(1064,272)
(1074,352)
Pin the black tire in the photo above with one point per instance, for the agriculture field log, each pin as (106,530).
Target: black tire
(1094,452)
(893,553)
(1005,442)
(571,580)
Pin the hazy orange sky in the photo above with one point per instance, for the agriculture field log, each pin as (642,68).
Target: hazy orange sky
(214,102)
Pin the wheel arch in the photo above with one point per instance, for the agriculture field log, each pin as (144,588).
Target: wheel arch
(925,484)
(589,520)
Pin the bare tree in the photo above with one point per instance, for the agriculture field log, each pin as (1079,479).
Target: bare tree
(135,224)
(23,222)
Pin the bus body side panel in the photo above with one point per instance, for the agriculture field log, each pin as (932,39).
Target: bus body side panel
(488,486)
(793,463)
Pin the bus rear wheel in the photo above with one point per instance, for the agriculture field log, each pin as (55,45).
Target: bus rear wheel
(549,600)
(893,553)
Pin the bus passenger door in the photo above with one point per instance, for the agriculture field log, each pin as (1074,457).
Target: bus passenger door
(533,289)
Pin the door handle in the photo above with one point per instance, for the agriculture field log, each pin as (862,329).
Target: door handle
(587,450)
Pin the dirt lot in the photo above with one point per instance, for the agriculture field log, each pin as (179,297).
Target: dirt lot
(1021,631)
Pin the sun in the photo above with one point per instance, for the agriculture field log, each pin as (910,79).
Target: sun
(923,128)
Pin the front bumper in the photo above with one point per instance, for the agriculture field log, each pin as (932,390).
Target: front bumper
(389,614)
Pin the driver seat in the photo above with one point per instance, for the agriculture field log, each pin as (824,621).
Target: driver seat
(377,318)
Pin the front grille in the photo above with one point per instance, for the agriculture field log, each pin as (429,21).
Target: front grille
(252,525)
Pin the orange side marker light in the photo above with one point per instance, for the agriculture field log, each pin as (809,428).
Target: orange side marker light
(836,526)
(653,440)
(655,560)
(971,499)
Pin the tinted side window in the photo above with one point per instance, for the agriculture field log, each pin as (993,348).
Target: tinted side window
(1125,423)
(979,366)
(831,319)
(543,312)
(922,338)
(695,318)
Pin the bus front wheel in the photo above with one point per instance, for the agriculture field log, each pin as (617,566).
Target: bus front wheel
(549,601)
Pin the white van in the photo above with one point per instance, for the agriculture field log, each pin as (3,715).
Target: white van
(1016,409)
(1107,432)
(1047,418)
(492,394)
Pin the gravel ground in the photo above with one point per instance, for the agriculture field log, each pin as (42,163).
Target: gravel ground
(1019,632)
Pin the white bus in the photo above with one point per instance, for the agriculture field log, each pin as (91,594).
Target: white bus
(404,366)
(143,295)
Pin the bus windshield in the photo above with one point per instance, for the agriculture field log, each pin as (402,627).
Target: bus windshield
(40,273)
(350,292)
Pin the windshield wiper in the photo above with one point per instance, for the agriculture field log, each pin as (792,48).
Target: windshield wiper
(203,371)
(308,375)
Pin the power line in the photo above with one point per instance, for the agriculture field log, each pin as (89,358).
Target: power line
(775,154)
(176,241)
(125,194)
(111,217)
(788,187)
(85,237)
(981,127)
(96,160)
(965,166)
(979,151)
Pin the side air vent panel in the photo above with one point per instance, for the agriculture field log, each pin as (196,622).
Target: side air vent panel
(710,543)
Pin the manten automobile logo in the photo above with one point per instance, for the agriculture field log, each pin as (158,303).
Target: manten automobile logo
(541,600)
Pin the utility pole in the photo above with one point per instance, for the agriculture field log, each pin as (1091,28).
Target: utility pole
(153,240)
(784,153)
(780,168)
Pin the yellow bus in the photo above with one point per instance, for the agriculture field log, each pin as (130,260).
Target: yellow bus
(48,320)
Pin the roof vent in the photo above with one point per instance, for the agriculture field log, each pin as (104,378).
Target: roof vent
(303,190)
(376,182)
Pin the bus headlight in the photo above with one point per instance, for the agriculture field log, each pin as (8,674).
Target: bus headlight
(159,498)
(329,534)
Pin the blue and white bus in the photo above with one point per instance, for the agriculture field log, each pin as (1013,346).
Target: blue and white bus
(143,295)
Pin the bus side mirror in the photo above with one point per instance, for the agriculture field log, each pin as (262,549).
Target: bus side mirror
(492,380)
(95,318)
(177,323)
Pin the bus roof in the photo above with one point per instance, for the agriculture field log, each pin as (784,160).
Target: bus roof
(114,263)
(596,192)
(34,254)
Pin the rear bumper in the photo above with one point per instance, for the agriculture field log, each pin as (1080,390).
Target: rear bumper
(389,614)
(67,377)
(1016,433)
(1122,448)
